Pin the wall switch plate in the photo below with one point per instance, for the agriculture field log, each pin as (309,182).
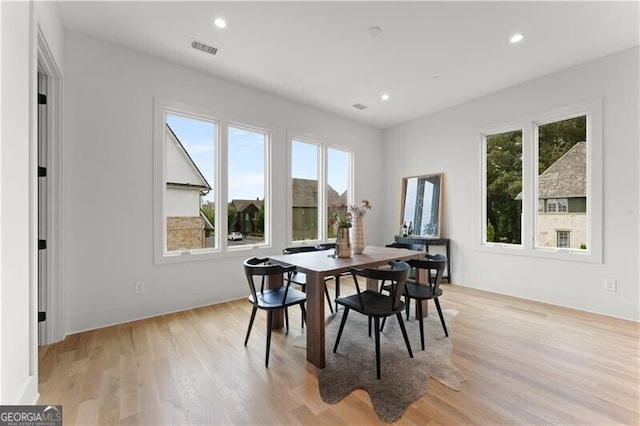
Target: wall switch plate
(139,287)
(610,285)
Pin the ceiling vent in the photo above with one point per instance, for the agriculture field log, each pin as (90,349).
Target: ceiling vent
(200,45)
(359,106)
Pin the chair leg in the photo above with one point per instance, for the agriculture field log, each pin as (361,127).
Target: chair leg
(407,304)
(419,304)
(384,320)
(344,320)
(369,320)
(286,319)
(253,316)
(326,292)
(304,314)
(269,321)
(377,333)
(337,278)
(446,333)
(404,334)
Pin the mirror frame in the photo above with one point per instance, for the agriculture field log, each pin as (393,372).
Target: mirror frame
(404,200)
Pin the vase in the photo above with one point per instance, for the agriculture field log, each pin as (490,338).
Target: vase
(343,243)
(358,235)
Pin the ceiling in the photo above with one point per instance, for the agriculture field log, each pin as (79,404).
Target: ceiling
(429,55)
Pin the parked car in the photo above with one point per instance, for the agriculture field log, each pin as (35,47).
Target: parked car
(235,236)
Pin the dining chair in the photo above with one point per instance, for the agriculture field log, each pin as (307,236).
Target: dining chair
(433,266)
(257,269)
(408,246)
(377,305)
(300,278)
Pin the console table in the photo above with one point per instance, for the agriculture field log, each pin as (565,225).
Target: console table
(427,242)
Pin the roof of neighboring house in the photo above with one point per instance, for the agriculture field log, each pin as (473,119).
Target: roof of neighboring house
(241,205)
(206,221)
(305,194)
(173,176)
(567,177)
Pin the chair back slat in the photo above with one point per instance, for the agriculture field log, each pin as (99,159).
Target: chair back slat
(434,263)
(397,275)
(299,249)
(408,246)
(263,268)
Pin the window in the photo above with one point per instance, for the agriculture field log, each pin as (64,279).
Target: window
(305,190)
(562,174)
(503,187)
(190,174)
(563,239)
(338,184)
(320,184)
(246,185)
(542,177)
(197,189)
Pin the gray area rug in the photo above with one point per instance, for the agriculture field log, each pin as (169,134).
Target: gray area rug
(403,379)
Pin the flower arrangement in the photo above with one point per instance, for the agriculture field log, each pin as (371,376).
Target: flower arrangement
(360,209)
(340,216)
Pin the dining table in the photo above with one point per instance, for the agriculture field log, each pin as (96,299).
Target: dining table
(319,264)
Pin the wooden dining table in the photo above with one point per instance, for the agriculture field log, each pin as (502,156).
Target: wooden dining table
(319,264)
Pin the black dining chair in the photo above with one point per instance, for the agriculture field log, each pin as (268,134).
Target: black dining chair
(433,267)
(282,297)
(300,278)
(408,246)
(377,305)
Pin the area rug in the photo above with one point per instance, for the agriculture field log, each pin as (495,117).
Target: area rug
(403,379)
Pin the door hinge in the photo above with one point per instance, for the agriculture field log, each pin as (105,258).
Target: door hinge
(42,316)
(42,244)
(42,171)
(42,99)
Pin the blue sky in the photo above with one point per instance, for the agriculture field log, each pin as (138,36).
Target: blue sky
(246,158)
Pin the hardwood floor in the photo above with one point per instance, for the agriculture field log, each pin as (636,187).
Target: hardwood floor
(526,363)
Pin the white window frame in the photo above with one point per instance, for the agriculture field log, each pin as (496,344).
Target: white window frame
(483,182)
(221,250)
(268,202)
(528,123)
(323,154)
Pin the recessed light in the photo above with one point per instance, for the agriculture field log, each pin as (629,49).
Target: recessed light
(220,23)
(516,38)
(385,97)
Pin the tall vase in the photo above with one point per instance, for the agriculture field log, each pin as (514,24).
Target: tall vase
(343,243)
(358,233)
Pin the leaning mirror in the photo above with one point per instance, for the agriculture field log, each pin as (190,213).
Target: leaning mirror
(422,205)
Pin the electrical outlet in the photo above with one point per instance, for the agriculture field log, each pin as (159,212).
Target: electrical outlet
(139,287)
(610,285)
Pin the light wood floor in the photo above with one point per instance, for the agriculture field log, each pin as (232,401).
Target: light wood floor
(526,363)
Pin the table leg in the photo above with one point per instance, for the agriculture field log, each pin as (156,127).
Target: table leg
(275,281)
(315,319)
(422,277)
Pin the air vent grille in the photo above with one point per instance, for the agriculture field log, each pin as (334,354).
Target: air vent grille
(207,48)
(359,106)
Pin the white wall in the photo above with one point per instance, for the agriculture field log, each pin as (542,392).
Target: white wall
(107,179)
(18,362)
(448,141)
